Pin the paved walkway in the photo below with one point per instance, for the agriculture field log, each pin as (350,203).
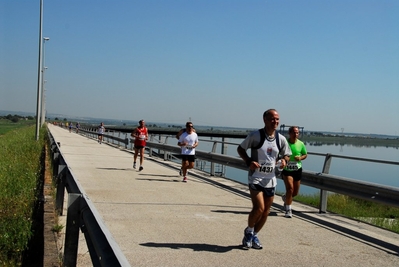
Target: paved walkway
(157,220)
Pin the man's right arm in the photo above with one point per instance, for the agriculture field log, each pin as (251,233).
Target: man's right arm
(179,133)
(243,154)
(133,134)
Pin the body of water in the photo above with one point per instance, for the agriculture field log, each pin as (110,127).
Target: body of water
(385,174)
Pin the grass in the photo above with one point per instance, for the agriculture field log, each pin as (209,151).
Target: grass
(7,125)
(374,213)
(20,170)
(57,228)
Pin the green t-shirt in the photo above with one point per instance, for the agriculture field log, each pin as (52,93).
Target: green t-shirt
(298,149)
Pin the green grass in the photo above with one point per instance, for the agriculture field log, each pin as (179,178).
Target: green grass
(20,171)
(7,125)
(374,213)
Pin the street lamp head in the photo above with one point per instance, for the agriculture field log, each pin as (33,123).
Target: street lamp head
(46,38)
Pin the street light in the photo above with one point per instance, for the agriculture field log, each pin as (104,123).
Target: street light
(43,102)
(39,78)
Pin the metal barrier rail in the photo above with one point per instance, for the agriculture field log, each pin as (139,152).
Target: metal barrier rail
(386,195)
(81,214)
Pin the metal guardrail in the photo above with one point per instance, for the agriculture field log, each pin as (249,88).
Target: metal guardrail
(81,215)
(387,195)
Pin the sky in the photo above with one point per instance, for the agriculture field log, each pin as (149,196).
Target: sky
(330,65)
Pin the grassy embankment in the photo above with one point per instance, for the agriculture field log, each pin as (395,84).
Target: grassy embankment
(20,170)
(370,212)
(7,125)
(376,214)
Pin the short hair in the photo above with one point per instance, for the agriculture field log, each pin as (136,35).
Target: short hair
(188,123)
(268,112)
(291,129)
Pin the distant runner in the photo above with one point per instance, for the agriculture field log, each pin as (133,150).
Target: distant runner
(100,131)
(140,135)
(188,141)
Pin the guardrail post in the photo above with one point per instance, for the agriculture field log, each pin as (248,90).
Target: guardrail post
(72,230)
(212,171)
(168,156)
(224,152)
(60,183)
(159,150)
(151,139)
(56,160)
(324,193)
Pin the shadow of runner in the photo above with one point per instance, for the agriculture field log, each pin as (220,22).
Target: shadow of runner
(194,247)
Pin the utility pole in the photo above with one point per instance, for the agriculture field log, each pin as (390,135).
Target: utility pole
(43,104)
(39,79)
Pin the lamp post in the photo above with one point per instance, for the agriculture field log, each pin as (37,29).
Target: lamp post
(43,102)
(39,79)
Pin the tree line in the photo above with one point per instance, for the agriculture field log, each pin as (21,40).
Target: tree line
(16,118)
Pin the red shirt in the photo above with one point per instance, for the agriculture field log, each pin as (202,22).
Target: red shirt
(141,136)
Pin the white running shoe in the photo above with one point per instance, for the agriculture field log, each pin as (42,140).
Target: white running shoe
(288,214)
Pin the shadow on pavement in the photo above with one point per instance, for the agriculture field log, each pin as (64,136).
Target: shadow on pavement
(194,247)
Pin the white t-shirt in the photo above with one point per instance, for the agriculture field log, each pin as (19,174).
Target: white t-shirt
(190,139)
(101,129)
(266,156)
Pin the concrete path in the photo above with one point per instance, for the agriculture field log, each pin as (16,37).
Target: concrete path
(157,220)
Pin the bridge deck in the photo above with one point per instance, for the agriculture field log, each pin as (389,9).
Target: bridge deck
(157,220)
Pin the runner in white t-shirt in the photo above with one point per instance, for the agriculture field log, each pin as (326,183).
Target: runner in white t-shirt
(261,176)
(100,132)
(188,141)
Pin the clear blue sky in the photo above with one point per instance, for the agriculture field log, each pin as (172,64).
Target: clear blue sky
(324,65)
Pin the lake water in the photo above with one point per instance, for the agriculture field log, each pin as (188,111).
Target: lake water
(385,174)
(379,173)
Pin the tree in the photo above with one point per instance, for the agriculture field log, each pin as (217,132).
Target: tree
(14,119)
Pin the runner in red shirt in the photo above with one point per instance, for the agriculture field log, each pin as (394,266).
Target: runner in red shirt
(140,135)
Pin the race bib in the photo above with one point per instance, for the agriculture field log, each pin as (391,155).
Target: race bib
(189,147)
(292,166)
(266,167)
(142,136)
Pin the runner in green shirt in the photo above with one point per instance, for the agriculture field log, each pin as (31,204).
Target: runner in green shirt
(292,173)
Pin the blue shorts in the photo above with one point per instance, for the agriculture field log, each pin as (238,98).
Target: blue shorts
(268,192)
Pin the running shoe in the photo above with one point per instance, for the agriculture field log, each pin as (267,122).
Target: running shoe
(288,214)
(247,240)
(256,243)
(283,197)
(185,179)
(141,168)
(134,165)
